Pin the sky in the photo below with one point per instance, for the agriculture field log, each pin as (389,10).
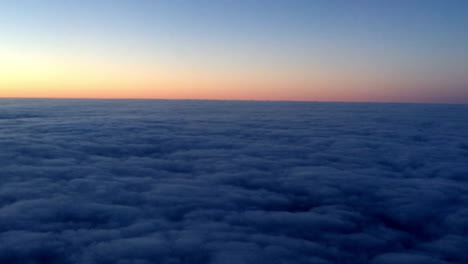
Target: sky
(379,51)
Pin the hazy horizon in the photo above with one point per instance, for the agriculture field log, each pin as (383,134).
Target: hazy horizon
(234,100)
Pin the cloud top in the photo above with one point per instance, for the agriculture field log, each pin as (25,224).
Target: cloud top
(104,181)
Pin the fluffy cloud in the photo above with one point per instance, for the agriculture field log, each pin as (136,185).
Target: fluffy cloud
(102,181)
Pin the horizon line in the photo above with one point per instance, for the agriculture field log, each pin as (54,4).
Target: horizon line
(236,100)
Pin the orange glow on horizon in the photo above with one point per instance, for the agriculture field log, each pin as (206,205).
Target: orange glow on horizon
(33,75)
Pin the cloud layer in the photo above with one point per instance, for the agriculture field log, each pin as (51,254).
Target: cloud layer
(96,181)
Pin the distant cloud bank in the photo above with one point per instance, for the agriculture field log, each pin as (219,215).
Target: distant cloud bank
(139,182)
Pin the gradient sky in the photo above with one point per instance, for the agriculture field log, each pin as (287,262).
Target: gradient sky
(399,51)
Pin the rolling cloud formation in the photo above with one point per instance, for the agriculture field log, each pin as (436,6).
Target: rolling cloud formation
(96,181)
